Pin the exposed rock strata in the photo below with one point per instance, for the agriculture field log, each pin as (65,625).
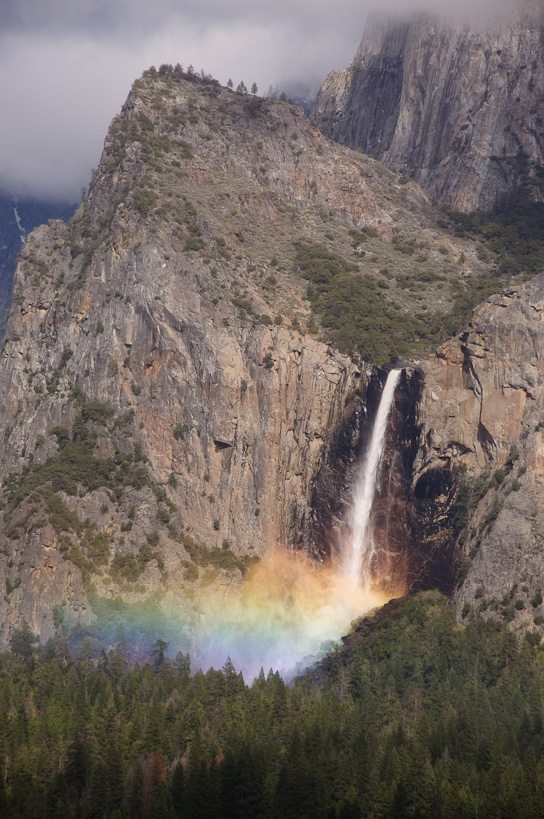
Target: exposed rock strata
(169,300)
(481,461)
(460,109)
(166,408)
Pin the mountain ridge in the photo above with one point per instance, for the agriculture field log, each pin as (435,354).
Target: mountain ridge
(18,216)
(184,361)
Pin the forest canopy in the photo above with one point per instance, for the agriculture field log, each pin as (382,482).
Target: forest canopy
(411,715)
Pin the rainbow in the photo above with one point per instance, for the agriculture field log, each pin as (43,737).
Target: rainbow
(284,618)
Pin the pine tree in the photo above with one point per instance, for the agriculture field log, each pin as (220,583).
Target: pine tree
(22,642)
(135,792)
(177,789)
(158,652)
(155,776)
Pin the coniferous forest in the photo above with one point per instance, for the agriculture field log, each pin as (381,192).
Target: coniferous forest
(412,716)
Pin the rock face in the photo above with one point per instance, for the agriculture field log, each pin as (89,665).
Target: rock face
(168,407)
(164,412)
(480,463)
(18,216)
(458,108)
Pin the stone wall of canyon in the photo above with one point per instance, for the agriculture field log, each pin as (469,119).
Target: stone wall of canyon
(456,107)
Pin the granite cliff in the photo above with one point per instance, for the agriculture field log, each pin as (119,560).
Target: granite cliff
(481,456)
(18,216)
(458,108)
(168,398)
(184,363)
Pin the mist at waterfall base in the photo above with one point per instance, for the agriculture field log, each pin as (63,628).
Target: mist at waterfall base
(288,611)
(285,617)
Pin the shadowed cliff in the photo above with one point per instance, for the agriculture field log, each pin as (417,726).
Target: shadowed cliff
(457,107)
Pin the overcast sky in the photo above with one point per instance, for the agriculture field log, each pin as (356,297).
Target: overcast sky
(66,66)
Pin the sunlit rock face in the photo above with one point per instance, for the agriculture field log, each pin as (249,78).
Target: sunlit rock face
(168,409)
(457,106)
(459,501)
(167,319)
(482,451)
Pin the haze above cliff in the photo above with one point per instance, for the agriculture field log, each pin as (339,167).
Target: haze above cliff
(71,64)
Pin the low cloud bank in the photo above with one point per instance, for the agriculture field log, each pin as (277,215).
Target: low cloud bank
(67,67)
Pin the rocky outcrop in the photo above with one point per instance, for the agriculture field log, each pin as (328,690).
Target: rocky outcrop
(481,458)
(18,216)
(165,404)
(170,409)
(457,108)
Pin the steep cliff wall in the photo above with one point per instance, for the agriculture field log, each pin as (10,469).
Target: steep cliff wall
(170,407)
(165,403)
(146,368)
(18,216)
(481,459)
(458,108)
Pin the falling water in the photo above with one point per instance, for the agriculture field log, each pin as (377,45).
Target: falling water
(361,549)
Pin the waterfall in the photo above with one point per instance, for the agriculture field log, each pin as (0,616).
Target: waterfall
(361,550)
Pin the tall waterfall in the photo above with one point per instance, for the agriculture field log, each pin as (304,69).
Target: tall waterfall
(361,549)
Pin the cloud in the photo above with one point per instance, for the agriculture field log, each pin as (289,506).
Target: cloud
(67,66)
(67,83)
(118,17)
(58,105)
(459,8)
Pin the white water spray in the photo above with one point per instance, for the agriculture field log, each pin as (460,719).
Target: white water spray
(358,561)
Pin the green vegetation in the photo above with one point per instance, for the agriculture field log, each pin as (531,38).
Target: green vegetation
(358,318)
(10,587)
(184,149)
(33,495)
(537,600)
(411,717)
(512,233)
(268,361)
(180,431)
(128,568)
(218,558)
(145,201)
(74,464)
